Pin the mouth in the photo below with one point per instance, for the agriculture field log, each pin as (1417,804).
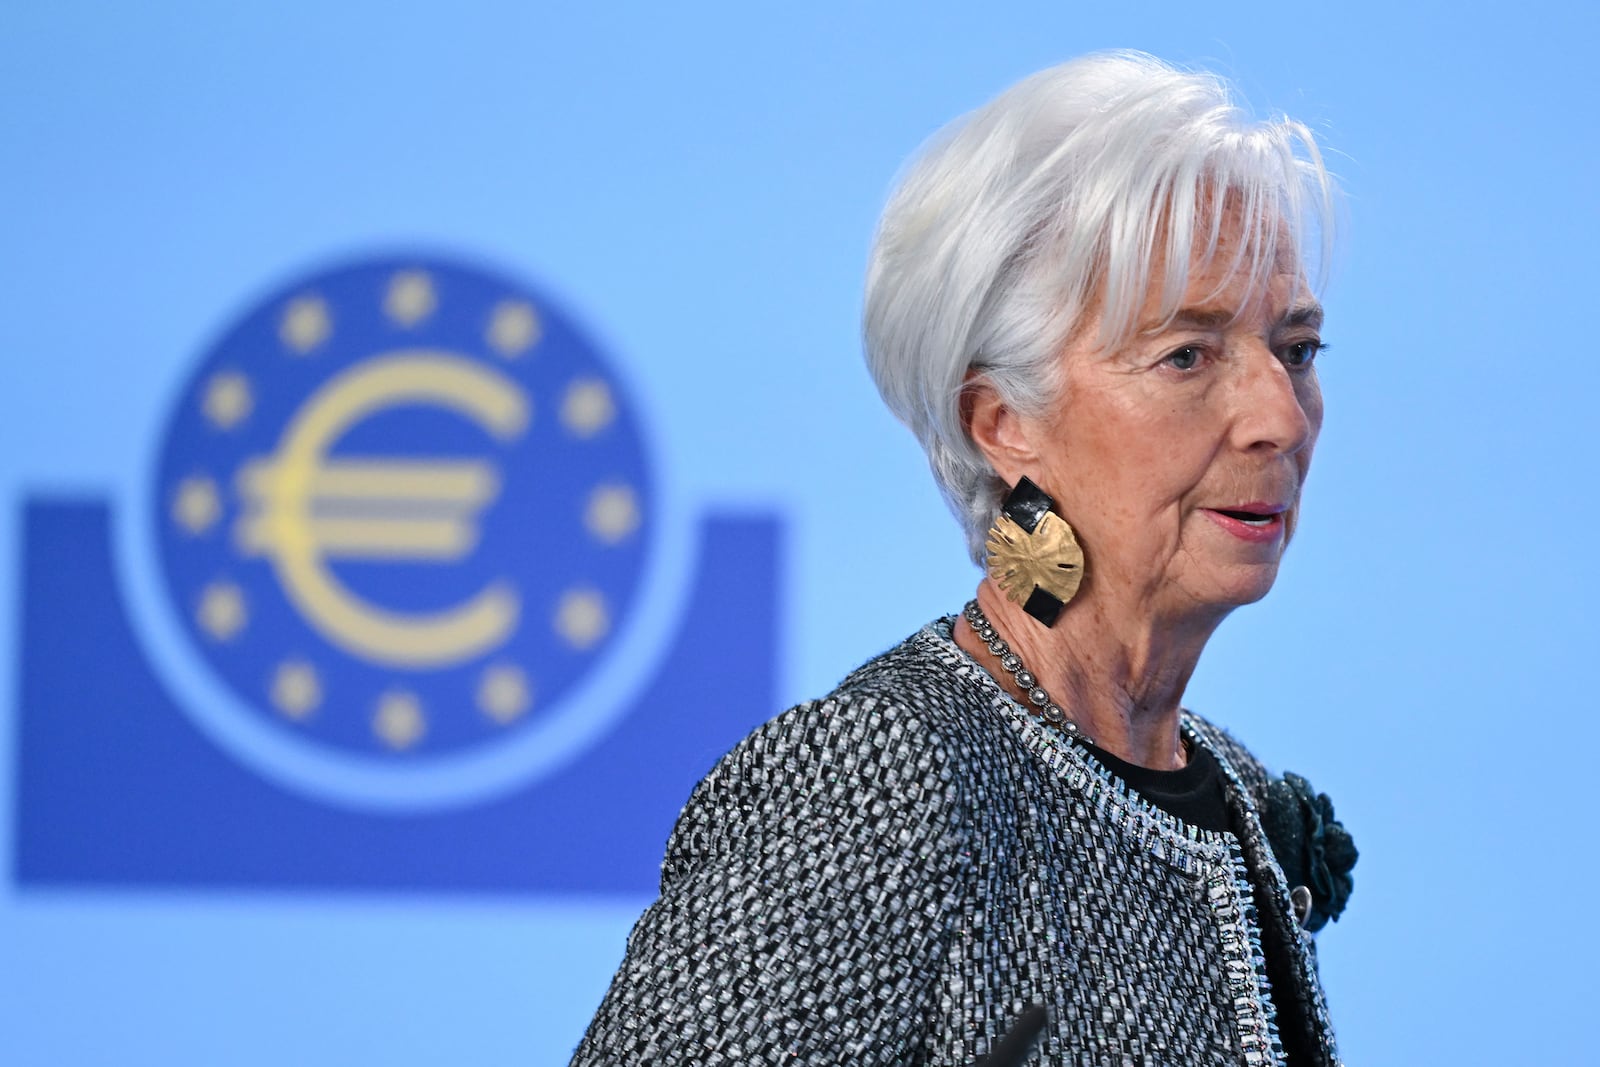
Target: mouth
(1249,516)
(1251,522)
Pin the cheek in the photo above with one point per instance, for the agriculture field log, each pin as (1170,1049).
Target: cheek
(1124,466)
(1311,404)
(1135,505)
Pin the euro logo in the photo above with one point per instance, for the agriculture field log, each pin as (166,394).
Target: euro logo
(407,510)
(303,509)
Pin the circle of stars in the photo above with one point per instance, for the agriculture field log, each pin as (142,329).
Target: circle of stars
(503,691)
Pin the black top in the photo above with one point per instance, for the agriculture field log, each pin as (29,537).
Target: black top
(1193,793)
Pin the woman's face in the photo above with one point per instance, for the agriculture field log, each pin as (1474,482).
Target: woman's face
(1179,458)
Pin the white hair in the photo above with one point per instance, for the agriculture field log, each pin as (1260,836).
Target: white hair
(1058,200)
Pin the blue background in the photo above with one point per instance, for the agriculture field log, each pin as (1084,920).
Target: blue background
(698,183)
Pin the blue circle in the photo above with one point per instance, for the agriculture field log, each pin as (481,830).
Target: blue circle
(412,510)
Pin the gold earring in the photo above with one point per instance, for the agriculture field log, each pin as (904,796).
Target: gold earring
(1033,553)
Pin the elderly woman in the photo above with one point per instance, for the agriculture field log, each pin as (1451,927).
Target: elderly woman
(1091,300)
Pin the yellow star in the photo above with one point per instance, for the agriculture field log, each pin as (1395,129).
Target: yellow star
(228,400)
(196,506)
(410,298)
(581,617)
(222,613)
(296,688)
(513,328)
(399,722)
(612,513)
(503,693)
(587,408)
(305,324)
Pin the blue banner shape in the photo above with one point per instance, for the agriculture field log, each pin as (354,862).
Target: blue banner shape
(402,516)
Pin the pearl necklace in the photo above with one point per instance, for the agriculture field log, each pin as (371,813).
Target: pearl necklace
(1043,706)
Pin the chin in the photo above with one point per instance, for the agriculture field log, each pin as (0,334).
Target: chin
(1251,596)
(1239,589)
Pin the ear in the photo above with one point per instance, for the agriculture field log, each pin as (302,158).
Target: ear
(997,430)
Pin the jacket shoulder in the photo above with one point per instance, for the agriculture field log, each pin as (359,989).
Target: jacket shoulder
(828,855)
(876,746)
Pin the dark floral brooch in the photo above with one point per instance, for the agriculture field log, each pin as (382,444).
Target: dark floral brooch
(1313,848)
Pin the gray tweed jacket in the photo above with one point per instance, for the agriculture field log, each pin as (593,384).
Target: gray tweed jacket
(891,875)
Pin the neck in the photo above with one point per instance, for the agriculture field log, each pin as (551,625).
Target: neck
(1118,675)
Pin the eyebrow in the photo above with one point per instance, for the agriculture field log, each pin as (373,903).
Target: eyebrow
(1203,318)
(1309,314)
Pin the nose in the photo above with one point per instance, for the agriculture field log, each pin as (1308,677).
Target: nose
(1279,410)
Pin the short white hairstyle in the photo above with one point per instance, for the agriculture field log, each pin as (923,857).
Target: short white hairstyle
(1058,200)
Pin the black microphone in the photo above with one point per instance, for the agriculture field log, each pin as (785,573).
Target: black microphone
(1019,1040)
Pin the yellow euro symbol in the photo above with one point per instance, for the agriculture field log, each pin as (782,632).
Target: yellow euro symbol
(301,508)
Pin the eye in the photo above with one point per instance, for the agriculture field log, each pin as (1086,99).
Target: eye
(1301,353)
(1187,358)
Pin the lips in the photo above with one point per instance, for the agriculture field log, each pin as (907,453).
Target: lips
(1255,522)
